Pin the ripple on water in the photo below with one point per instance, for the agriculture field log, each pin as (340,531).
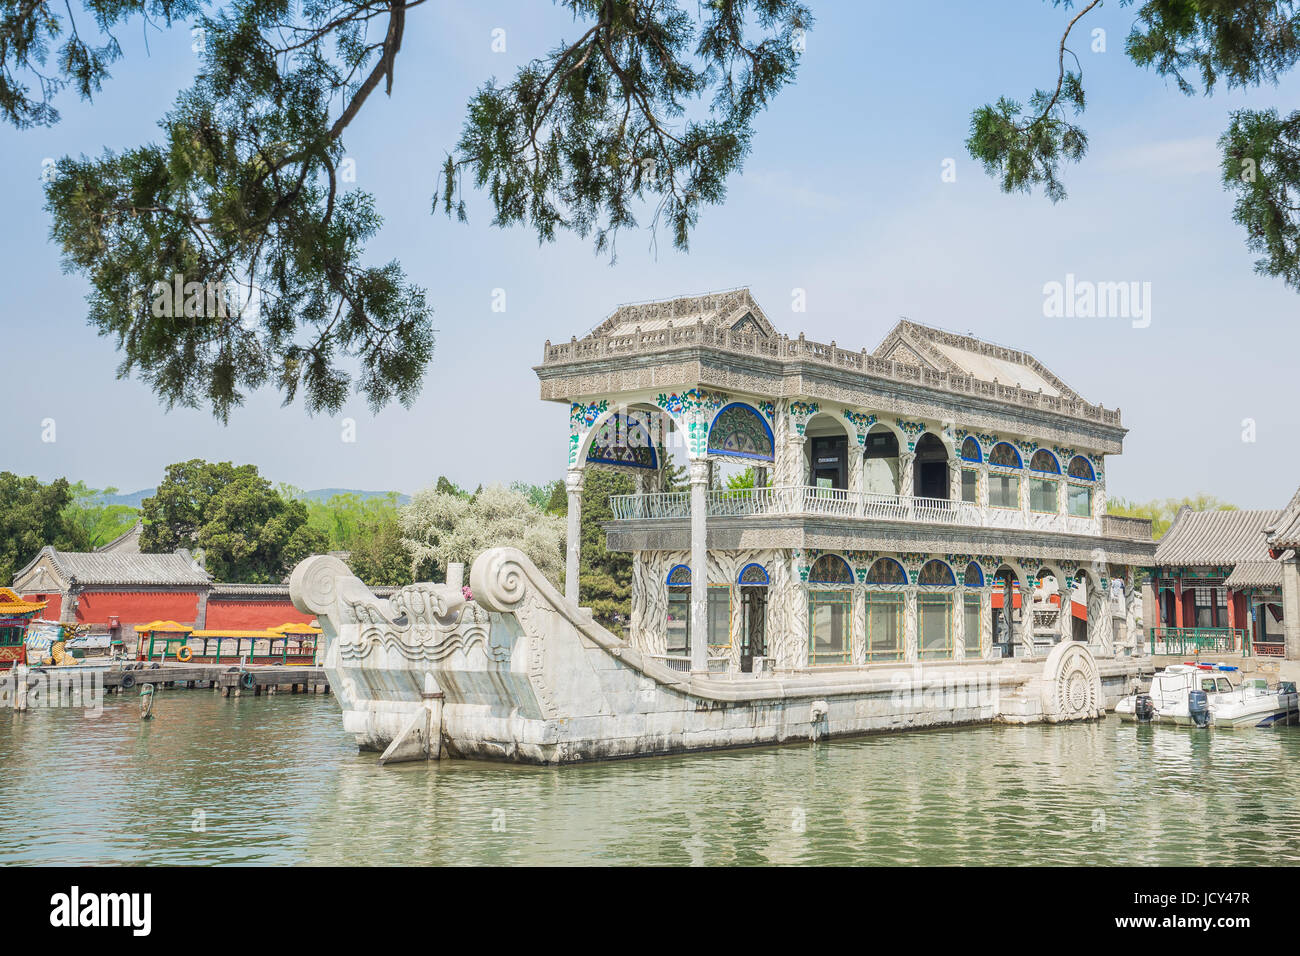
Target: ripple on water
(274,780)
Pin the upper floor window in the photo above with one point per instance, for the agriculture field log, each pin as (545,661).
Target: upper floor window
(1044,461)
(830,569)
(886,571)
(1004,455)
(1081,468)
(970,450)
(1079,499)
(969,485)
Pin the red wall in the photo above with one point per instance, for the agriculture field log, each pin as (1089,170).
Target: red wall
(51,613)
(138,607)
(251,615)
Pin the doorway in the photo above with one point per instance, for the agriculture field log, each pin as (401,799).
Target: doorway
(830,461)
(931,468)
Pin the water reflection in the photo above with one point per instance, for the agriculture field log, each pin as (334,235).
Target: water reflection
(273,780)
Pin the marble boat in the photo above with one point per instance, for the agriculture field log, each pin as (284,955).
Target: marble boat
(520,673)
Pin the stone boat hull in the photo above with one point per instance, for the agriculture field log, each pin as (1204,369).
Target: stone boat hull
(522,674)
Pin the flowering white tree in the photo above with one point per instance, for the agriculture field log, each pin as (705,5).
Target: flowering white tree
(445,527)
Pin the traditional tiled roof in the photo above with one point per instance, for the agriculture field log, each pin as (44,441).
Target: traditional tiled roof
(113,567)
(1255,574)
(734,310)
(1215,538)
(12,603)
(914,344)
(1285,531)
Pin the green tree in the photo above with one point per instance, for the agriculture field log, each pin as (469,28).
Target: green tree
(246,530)
(1197,44)
(604,576)
(1162,511)
(97,521)
(378,555)
(32,515)
(651,106)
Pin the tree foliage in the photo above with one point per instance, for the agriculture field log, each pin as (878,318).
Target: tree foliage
(96,520)
(367,529)
(439,527)
(32,515)
(1197,44)
(247,532)
(230,254)
(604,576)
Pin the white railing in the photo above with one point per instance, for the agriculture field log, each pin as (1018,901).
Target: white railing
(838,503)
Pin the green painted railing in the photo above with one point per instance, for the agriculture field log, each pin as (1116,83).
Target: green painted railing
(1194,641)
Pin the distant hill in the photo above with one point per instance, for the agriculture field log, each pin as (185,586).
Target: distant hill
(134,498)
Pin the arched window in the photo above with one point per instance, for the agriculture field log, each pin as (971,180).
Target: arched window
(1082,469)
(886,571)
(970,450)
(830,569)
(739,430)
(678,624)
(974,577)
(753,575)
(936,573)
(679,576)
(1004,454)
(1045,461)
(623,439)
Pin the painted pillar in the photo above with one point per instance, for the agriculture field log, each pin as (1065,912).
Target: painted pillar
(573,484)
(1178,602)
(959,625)
(1065,620)
(699,567)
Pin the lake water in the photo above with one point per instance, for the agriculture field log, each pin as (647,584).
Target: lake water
(273,780)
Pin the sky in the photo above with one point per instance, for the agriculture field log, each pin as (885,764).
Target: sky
(843,197)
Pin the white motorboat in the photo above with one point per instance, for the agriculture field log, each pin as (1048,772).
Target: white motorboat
(1202,695)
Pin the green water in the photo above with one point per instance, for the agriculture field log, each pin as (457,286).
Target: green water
(278,782)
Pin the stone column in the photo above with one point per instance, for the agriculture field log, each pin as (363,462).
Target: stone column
(1026,636)
(986,623)
(573,484)
(911,640)
(1291,607)
(699,472)
(858,632)
(954,479)
(959,625)
(906,484)
(1065,621)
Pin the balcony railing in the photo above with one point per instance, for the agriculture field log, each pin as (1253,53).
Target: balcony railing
(1195,641)
(834,502)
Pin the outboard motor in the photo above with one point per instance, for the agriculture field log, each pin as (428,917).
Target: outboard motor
(1198,707)
(1144,708)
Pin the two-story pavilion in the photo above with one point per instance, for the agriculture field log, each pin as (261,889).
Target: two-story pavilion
(909,503)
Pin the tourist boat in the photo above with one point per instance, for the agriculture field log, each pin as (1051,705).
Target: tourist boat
(289,643)
(1202,695)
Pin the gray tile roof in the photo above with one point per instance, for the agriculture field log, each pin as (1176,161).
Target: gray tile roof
(1285,532)
(123,567)
(1215,538)
(1255,574)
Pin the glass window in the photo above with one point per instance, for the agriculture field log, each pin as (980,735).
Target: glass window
(969,484)
(1044,460)
(1004,455)
(1004,490)
(970,450)
(884,638)
(886,571)
(974,621)
(1080,499)
(719,616)
(1080,467)
(830,569)
(1042,495)
(679,621)
(934,626)
(829,613)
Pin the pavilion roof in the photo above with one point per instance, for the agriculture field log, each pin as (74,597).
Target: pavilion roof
(1212,538)
(734,310)
(11,603)
(113,567)
(1284,533)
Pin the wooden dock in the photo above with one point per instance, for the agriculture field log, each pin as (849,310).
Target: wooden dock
(230,680)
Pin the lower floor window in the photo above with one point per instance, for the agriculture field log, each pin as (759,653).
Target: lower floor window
(971,635)
(829,613)
(884,637)
(679,620)
(719,616)
(934,626)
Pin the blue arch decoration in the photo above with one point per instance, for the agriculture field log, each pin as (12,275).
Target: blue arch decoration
(1084,469)
(977,579)
(629,445)
(1014,454)
(970,450)
(830,569)
(1045,456)
(753,575)
(679,576)
(886,571)
(733,432)
(936,573)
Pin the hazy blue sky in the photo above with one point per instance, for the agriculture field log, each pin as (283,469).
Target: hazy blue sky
(842,197)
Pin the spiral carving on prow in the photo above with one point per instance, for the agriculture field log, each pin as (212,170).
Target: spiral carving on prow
(313,586)
(500,578)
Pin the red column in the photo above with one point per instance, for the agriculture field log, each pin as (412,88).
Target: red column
(1232,616)
(1178,602)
